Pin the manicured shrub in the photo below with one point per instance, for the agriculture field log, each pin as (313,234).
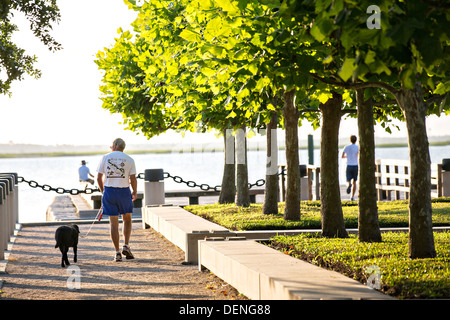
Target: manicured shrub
(401,276)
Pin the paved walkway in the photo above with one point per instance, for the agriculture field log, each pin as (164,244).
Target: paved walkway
(34,272)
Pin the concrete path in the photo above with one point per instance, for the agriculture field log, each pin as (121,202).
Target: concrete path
(34,272)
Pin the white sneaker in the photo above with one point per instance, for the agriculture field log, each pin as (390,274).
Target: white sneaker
(118,257)
(127,252)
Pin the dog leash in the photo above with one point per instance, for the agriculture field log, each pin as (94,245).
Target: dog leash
(99,216)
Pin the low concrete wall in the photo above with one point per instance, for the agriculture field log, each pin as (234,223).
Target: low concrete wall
(253,269)
(185,229)
(262,273)
(182,228)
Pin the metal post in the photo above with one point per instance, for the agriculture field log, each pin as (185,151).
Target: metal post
(310,149)
(154,187)
(14,189)
(15,178)
(2,222)
(11,202)
(445,178)
(5,213)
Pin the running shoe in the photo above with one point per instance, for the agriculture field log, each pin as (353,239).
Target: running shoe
(126,251)
(118,257)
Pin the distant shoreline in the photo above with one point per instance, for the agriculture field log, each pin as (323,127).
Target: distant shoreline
(191,150)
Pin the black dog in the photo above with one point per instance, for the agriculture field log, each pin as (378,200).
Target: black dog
(66,237)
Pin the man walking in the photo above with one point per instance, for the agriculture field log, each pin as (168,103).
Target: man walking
(351,152)
(116,172)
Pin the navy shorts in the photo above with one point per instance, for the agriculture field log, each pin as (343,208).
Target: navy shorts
(352,173)
(117,201)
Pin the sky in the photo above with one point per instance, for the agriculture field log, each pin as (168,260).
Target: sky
(64,106)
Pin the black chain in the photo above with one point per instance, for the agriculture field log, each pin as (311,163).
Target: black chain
(205,186)
(177,179)
(59,190)
(192,184)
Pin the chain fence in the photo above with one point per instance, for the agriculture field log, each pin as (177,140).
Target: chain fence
(177,179)
(59,190)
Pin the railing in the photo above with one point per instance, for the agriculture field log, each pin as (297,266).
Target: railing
(392,180)
(393,176)
(308,174)
(9,209)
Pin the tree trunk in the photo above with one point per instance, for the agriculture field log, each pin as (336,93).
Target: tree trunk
(368,226)
(242,194)
(330,194)
(421,240)
(228,187)
(291,114)
(271,187)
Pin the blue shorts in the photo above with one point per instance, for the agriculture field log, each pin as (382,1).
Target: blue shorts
(352,173)
(117,201)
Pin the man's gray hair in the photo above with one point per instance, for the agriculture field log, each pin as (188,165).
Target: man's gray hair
(119,143)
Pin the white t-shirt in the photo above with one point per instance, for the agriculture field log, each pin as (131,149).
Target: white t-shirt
(352,154)
(117,168)
(83,172)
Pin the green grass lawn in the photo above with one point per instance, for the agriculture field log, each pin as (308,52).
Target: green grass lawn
(400,276)
(391,214)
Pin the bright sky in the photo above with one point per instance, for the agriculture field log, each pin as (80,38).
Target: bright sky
(63,106)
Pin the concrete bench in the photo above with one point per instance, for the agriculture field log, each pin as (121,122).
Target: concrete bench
(262,273)
(182,228)
(194,195)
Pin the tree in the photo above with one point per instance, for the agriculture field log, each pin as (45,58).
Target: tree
(368,226)
(165,78)
(271,192)
(234,53)
(228,186)
(408,58)
(331,209)
(225,38)
(291,117)
(14,63)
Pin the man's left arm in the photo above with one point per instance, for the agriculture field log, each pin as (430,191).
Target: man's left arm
(133,182)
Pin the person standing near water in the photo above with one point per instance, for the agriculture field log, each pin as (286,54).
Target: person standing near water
(351,152)
(116,173)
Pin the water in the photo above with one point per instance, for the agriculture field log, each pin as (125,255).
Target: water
(204,167)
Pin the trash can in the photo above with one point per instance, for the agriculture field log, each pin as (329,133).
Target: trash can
(446,164)
(154,187)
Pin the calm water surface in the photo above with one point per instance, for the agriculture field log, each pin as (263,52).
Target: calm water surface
(205,167)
